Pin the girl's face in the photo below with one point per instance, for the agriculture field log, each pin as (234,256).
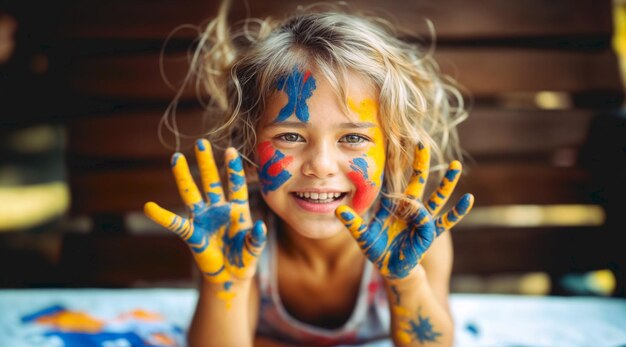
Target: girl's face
(313,157)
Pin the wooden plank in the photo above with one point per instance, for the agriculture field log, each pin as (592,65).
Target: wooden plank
(488,132)
(519,183)
(452,18)
(131,136)
(555,250)
(491,131)
(484,73)
(124,260)
(123,190)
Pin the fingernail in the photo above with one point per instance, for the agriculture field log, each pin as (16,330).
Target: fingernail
(175,157)
(200,144)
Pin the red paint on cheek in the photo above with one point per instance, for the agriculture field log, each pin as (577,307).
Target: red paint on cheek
(279,166)
(365,192)
(265,151)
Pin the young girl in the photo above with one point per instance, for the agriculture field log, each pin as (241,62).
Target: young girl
(336,119)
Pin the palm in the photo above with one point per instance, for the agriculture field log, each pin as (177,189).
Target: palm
(219,232)
(396,245)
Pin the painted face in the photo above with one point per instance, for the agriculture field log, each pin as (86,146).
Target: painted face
(313,157)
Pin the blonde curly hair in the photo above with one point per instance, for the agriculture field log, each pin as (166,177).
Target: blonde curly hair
(238,66)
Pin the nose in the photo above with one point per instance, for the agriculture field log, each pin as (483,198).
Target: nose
(321,161)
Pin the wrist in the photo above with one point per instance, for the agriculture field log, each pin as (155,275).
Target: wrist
(415,278)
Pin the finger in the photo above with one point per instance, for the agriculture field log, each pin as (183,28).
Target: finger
(421,165)
(256,239)
(450,219)
(179,225)
(351,220)
(439,198)
(237,188)
(372,239)
(186,186)
(209,174)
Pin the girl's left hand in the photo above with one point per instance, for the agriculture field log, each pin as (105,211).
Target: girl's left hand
(396,246)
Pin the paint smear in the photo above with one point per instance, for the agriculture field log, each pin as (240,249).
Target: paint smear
(299,88)
(273,165)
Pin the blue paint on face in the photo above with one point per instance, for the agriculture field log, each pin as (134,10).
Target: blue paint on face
(360,165)
(200,145)
(236,177)
(241,219)
(299,88)
(228,285)
(422,329)
(268,175)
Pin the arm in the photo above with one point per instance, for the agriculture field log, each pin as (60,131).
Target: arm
(225,245)
(397,245)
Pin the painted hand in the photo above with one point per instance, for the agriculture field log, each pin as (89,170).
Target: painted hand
(219,233)
(397,245)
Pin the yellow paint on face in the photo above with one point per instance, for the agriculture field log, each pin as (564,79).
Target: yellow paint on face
(367,111)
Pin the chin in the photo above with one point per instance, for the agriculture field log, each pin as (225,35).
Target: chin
(316,228)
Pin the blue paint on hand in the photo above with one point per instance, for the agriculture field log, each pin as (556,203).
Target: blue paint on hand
(213,197)
(451,174)
(201,145)
(347,216)
(175,157)
(299,88)
(236,178)
(257,235)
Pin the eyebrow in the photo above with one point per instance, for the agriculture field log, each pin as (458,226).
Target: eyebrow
(300,125)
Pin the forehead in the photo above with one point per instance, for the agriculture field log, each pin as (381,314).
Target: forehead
(323,102)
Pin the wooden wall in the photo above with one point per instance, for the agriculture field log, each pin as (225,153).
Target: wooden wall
(503,53)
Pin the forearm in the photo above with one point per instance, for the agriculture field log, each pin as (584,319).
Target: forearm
(417,317)
(221,317)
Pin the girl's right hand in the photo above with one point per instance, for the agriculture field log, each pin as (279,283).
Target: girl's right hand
(219,233)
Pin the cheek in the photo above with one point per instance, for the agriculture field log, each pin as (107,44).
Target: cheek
(272,167)
(366,175)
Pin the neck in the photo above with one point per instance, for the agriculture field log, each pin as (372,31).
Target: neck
(323,254)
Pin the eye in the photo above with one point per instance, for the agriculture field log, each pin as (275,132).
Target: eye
(290,137)
(354,139)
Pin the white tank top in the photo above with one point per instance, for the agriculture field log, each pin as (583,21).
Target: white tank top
(369,322)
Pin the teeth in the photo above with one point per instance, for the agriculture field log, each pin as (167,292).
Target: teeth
(318,196)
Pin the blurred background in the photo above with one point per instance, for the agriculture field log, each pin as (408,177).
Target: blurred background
(82,90)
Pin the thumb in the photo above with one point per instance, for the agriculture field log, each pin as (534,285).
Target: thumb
(351,220)
(256,238)
(179,225)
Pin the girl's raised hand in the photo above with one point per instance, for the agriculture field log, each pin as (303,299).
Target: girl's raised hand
(219,232)
(395,245)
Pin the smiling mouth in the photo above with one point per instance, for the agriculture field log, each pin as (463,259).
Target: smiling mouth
(319,198)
